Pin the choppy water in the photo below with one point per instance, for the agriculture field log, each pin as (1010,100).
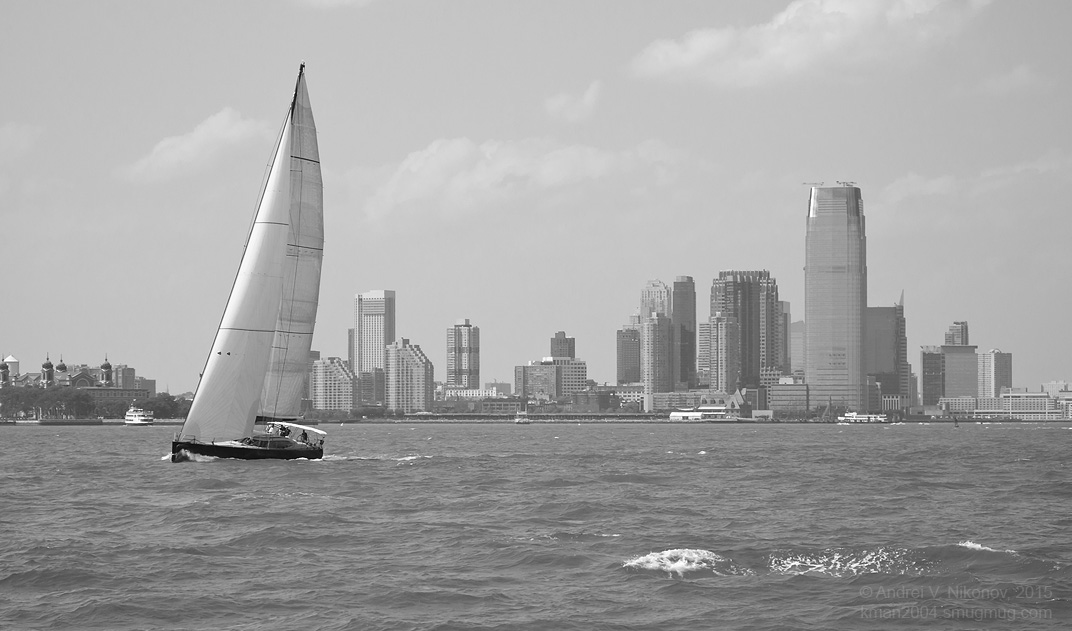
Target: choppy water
(560,526)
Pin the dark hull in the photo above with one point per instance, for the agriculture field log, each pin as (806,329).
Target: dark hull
(242,453)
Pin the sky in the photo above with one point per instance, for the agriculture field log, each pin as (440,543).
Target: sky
(530,165)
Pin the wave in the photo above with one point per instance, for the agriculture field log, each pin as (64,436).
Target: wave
(683,561)
(850,561)
(842,562)
(971,545)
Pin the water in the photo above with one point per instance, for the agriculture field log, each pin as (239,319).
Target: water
(564,526)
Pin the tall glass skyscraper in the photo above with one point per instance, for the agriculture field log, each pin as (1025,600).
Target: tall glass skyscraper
(835,298)
(683,319)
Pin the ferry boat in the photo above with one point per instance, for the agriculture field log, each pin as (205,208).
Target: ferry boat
(138,416)
(853,417)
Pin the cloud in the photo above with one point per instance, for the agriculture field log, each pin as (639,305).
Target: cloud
(914,185)
(1022,77)
(808,35)
(458,176)
(17,139)
(177,155)
(985,183)
(574,108)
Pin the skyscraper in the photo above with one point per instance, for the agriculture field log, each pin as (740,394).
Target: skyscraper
(724,364)
(628,352)
(995,372)
(463,355)
(656,357)
(410,378)
(961,366)
(835,297)
(932,374)
(886,349)
(655,298)
(750,298)
(957,335)
(683,319)
(374,329)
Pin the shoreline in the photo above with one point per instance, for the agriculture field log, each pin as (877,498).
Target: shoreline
(565,419)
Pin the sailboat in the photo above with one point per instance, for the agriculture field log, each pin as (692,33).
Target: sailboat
(249,395)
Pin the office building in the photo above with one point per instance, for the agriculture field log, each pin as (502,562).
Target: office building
(961,371)
(409,378)
(374,329)
(627,342)
(886,349)
(957,335)
(931,375)
(683,320)
(463,355)
(835,297)
(796,347)
(995,372)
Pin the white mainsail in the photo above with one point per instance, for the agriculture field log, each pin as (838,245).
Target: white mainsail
(259,357)
(284,385)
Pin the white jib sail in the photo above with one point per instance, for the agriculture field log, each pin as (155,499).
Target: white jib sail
(228,395)
(284,385)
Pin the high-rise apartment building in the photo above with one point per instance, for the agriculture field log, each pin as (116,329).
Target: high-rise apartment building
(750,298)
(835,297)
(656,356)
(724,345)
(683,320)
(656,297)
(410,378)
(995,372)
(463,355)
(332,384)
(374,329)
(563,347)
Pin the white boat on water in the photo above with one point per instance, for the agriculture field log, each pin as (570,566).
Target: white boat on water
(255,374)
(138,416)
(855,417)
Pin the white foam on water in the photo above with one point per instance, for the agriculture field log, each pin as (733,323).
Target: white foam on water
(682,560)
(971,545)
(847,562)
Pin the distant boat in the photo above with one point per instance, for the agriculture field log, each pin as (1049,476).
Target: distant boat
(854,417)
(138,416)
(522,418)
(257,366)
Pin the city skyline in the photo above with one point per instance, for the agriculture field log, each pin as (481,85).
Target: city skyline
(608,143)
